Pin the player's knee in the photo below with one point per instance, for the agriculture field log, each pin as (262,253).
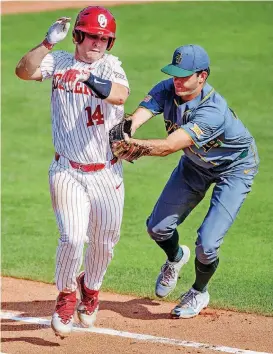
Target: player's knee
(106,248)
(72,244)
(206,252)
(157,232)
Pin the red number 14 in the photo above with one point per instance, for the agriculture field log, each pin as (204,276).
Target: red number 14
(96,118)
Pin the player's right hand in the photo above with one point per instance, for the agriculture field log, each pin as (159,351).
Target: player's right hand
(58,31)
(72,76)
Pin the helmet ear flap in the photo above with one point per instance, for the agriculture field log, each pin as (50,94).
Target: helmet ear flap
(78,36)
(110,44)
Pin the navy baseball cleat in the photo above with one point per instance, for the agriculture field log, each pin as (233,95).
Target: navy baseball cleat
(191,304)
(167,279)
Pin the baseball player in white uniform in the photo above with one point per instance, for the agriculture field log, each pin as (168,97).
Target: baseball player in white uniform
(89,89)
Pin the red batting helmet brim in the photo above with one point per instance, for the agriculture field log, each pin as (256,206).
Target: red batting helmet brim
(96,30)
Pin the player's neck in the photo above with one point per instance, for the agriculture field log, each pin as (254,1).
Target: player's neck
(191,96)
(84,60)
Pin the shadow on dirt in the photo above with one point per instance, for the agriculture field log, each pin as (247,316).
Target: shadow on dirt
(134,309)
(32,340)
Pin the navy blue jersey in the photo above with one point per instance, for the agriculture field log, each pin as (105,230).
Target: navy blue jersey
(219,136)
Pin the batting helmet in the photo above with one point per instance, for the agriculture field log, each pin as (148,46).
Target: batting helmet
(95,20)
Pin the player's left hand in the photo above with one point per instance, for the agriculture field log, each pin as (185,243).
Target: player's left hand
(72,76)
(122,145)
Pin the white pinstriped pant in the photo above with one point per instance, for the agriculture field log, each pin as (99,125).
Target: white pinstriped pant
(88,208)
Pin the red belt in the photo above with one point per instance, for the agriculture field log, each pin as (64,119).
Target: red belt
(92,167)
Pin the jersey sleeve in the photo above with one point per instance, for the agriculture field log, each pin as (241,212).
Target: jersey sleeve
(113,71)
(52,61)
(48,66)
(155,99)
(119,76)
(206,125)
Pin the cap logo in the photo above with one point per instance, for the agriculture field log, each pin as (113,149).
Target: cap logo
(102,20)
(178,58)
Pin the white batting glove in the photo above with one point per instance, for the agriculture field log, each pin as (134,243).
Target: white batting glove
(58,31)
(72,76)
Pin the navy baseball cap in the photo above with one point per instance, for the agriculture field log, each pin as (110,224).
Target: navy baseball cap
(187,60)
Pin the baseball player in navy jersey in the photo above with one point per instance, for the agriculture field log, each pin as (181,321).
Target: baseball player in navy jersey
(217,149)
(89,89)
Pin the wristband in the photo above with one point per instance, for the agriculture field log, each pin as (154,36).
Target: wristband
(46,44)
(101,87)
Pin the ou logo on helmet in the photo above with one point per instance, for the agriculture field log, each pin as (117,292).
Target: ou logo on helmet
(102,20)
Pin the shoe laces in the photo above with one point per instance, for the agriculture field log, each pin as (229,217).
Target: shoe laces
(188,298)
(89,302)
(168,272)
(65,307)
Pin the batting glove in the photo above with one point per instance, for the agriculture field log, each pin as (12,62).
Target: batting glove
(58,31)
(72,76)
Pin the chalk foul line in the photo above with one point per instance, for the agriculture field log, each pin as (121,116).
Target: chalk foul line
(135,336)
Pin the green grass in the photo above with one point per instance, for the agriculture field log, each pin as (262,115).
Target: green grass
(238,37)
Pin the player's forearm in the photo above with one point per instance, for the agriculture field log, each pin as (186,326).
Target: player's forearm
(118,94)
(156,147)
(139,117)
(31,61)
(107,90)
(176,141)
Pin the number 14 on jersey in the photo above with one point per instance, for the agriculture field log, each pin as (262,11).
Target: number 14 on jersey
(94,118)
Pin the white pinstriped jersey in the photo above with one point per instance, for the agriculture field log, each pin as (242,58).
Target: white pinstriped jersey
(80,120)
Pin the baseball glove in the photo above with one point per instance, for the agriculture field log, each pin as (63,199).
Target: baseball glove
(123,149)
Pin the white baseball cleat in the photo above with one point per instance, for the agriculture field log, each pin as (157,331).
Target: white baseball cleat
(62,319)
(167,279)
(191,303)
(88,308)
